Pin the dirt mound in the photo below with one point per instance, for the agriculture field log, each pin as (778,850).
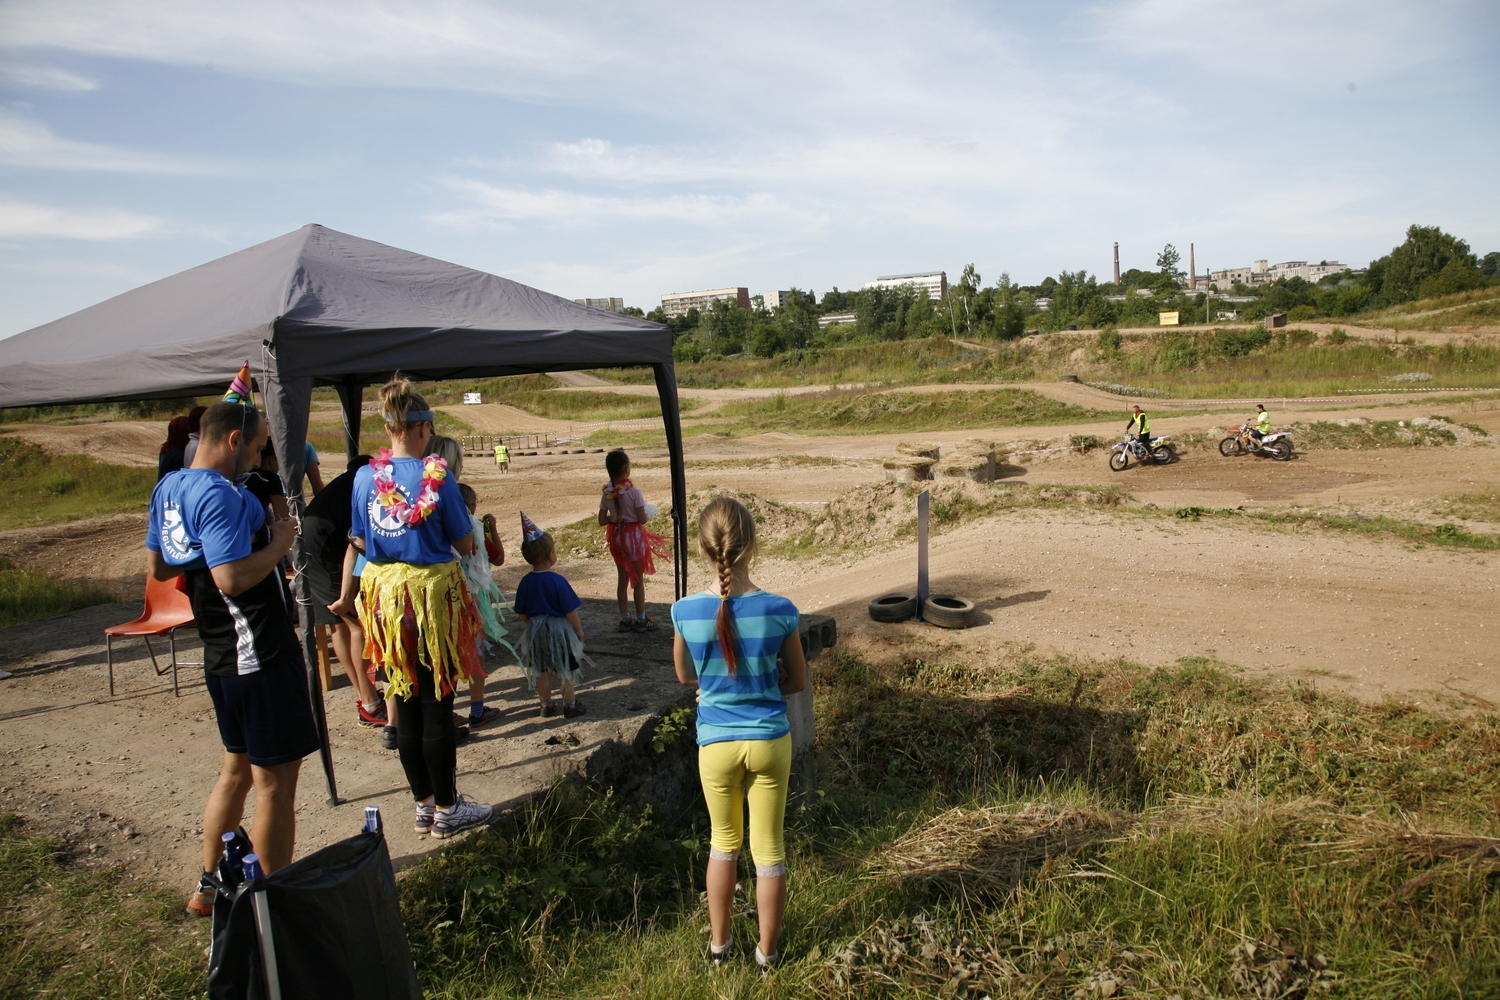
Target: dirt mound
(120,443)
(101,551)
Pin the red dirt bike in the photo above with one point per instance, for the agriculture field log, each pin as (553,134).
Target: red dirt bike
(1278,446)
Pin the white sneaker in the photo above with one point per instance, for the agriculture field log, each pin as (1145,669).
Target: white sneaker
(464,814)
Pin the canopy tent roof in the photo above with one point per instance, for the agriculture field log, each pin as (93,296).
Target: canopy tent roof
(321,304)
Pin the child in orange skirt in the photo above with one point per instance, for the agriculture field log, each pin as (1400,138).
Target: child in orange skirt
(624,512)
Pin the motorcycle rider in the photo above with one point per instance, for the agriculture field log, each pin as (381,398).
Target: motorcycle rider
(1262,426)
(1141,427)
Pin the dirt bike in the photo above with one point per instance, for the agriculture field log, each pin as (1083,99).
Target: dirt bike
(1160,452)
(1278,446)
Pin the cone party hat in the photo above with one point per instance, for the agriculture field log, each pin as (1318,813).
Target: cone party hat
(239,389)
(529,530)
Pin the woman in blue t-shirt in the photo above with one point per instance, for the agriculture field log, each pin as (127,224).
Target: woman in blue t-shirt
(727,643)
(407,517)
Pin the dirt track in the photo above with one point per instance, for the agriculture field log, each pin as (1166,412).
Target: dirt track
(1377,618)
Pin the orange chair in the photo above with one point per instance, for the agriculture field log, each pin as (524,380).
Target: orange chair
(166,610)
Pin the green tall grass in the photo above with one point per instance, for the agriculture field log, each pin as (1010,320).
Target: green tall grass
(26,596)
(47,488)
(876,413)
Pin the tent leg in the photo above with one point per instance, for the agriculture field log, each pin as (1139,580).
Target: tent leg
(351,401)
(303,595)
(671,416)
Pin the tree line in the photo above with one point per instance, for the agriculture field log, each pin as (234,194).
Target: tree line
(1430,262)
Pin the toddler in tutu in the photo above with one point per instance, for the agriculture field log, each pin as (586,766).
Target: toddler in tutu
(552,641)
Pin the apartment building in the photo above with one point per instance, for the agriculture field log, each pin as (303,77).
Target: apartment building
(775,300)
(678,303)
(611,304)
(934,283)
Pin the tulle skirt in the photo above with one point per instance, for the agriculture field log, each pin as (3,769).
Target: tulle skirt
(550,646)
(636,548)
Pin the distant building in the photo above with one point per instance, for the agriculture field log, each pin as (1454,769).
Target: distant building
(1043,303)
(833,318)
(934,283)
(678,303)
(611,304)
(775,300)
(1263,273)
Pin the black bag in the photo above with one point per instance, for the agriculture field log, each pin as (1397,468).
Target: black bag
(336,929)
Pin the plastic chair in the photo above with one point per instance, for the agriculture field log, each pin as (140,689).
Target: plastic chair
(166,610)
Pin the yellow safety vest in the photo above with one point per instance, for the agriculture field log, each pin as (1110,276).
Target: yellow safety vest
(502,453)
(1141,422)
(1263,422)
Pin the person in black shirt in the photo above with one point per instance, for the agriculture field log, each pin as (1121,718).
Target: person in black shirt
(264,483)
(214,535)
(325,532)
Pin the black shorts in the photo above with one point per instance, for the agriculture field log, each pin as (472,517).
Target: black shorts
(325,572)
(266,715)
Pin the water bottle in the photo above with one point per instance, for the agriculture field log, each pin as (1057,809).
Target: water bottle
(252,868)
(372,819)
(234,850)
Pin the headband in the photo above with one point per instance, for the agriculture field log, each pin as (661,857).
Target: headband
(412,417)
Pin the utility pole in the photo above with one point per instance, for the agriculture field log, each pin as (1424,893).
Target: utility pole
(1117,262)
(1192,269)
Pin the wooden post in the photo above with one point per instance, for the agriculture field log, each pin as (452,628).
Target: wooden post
(325,670)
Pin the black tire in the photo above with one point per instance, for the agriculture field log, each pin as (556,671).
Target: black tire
(1118,460)
(894,608)
(1163,455)
(948,611)
(1280,450)
(1230,447)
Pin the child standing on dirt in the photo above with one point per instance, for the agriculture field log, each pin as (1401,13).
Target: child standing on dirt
(727,644)
(552,643)
(487,597)
(624,512)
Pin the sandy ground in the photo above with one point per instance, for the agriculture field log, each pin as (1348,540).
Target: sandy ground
(124,777)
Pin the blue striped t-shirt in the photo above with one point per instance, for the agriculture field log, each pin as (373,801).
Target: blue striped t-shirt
(749,705)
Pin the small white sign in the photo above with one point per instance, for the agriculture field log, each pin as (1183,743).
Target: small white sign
(472,399)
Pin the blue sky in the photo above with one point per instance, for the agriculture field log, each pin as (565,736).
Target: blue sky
(633,149)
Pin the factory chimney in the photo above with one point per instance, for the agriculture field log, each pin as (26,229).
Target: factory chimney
(1117,263)
(1192,268)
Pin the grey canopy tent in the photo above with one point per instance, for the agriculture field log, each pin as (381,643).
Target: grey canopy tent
(320,307)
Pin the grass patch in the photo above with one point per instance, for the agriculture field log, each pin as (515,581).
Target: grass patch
(68,932)
(1449,535)
(26,596)
(1051,828)
(885,412)
(1479,505)
(1358,434)
(49,489)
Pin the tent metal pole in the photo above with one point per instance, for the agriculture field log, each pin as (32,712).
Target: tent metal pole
(351,401)
(303,594)
(666,388)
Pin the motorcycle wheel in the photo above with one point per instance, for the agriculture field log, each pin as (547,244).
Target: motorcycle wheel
(1163,455)
(1118,460)
(1230,447)
(1281,451)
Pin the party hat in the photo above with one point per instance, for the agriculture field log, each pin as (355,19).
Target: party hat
(529,530)
(239,389)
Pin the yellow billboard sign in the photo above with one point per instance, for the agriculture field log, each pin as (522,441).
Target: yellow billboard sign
(1169,318)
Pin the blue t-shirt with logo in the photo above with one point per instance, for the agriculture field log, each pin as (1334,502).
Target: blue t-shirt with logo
(749,705)
(387,539)
(543,592)
(199,519)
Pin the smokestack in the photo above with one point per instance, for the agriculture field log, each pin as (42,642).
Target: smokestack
(1117,263)
(1192,268)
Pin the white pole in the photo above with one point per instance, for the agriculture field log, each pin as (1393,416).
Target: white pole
(267,943)
(924,501)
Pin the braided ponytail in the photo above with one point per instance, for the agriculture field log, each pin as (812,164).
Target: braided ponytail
(726,534)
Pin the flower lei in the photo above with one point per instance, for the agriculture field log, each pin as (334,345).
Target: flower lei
(616,490)
(434,471)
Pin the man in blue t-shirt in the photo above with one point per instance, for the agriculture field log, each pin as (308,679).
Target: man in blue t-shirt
(212,533)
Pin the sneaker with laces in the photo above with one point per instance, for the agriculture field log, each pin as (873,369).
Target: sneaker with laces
(201,902)
(369,719)
(548,711)
(425,813)
(574,710)
(645,624)
(626,625)
(718,958)
(767,963)
(490,714)
(388,738)
(465,813)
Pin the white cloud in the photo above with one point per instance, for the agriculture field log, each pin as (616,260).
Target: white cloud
(28,220)
(45,78)
(1292,43)
(28,143)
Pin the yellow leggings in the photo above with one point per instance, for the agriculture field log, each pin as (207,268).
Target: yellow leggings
(733,771)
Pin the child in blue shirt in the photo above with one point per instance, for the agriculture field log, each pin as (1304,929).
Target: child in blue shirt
(552,643)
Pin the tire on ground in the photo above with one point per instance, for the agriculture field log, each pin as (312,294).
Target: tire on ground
(894,607)
(948,611)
